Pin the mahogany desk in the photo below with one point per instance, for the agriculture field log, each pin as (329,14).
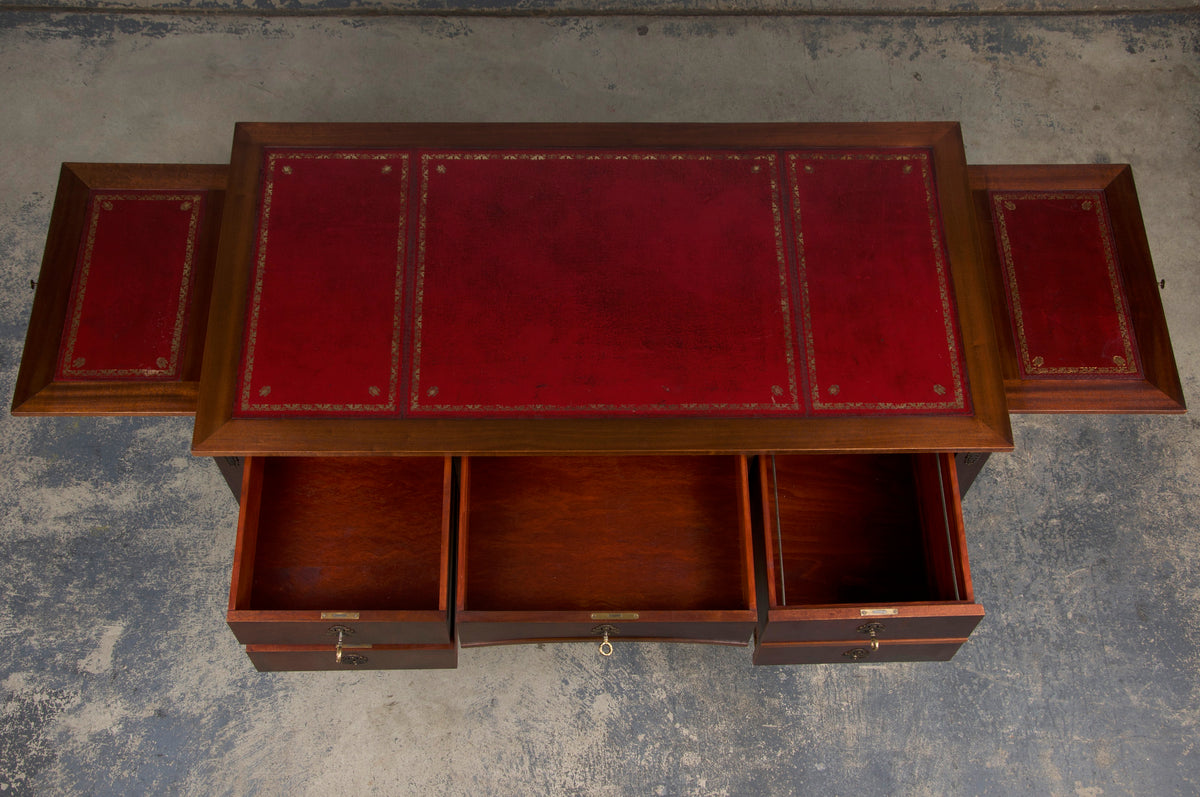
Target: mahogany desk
(510,383)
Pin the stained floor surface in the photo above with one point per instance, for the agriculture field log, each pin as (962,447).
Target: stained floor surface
(119,675)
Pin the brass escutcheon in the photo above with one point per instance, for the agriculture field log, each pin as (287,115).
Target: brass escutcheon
(854,654)
(871,629)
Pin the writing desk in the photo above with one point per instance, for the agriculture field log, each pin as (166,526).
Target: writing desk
(511,383)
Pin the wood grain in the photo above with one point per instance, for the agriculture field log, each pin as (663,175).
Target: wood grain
(549,545)
(309,658)
(604,534)
(371,537)
(850,540)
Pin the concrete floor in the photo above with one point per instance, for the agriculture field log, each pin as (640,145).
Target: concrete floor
(119,675)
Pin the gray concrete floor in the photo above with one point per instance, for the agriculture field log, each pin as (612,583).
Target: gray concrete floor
(119,675)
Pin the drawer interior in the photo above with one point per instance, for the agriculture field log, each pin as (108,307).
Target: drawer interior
(353,533)
(604,533)
(859,529)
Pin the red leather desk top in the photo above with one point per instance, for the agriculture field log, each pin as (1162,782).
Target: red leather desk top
(423,284)
(593,283)
(406,289)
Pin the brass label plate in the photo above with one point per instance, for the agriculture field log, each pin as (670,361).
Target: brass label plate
(615,615)
(878,612)
(339,615)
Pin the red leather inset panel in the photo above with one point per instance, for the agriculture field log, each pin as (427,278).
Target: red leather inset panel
(323,325)
(1063,286)
(600,283)
(132,288)
(877,301)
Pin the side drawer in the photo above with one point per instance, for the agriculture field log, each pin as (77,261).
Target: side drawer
(268,658)
(121,308)
(560,547)
(863,547)
(853,651)
(1075,302)
(356,546)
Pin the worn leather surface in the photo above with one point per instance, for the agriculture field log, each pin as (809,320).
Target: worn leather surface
(1063,286)
(132,286)
(507,283)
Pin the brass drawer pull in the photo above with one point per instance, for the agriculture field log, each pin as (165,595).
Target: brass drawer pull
(606,648)
(871,629)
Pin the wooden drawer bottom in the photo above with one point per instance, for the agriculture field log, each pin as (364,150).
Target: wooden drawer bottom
(269,658)
(855,651)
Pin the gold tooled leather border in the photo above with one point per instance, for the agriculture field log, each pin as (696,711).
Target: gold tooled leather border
(282,157)
(957,399)
(191,202)
(1091,201)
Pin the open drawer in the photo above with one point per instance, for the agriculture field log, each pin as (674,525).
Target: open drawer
(572,548)
(356,547)
(864,558)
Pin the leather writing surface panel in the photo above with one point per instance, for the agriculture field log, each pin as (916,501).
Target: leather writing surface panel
(323,325)
(877,306)
(1063,286)
(132,286)
(601,282)
(574,282)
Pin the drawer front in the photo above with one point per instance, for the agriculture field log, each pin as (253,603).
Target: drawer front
(270,658)
(947,621)
(306,628)
(852,652)
(476,631)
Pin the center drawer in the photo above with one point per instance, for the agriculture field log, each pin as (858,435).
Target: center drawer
(356,546)
(558,548)
(863,552)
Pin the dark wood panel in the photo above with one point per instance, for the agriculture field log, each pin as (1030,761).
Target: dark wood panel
(849,530)
(231,470)
(851,652)
(725,628)
(580,436)
(909,621)
(257,627)
(307,658)
(349,533)
(969,465)
(851,540)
